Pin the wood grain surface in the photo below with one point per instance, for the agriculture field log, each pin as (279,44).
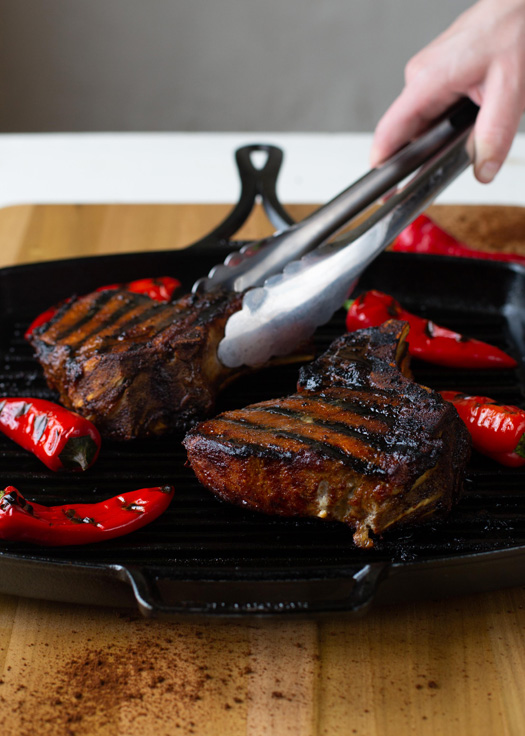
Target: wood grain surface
(430,668)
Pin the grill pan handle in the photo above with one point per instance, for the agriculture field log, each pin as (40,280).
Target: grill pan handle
(265,180)
(162,596)
(255,182)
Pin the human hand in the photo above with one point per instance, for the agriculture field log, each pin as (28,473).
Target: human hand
(481,56)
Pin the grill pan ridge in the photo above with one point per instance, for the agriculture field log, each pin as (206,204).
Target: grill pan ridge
(209,558)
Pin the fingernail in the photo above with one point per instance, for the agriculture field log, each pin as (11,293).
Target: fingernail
(487,171)
(373,157)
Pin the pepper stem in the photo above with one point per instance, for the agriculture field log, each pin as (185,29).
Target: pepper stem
(520,447)
(78,453)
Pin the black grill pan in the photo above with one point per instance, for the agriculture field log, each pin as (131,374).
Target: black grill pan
(206,557)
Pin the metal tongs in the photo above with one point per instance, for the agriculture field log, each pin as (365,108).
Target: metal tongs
(288,298)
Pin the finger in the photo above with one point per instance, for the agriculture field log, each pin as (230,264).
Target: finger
(498,120)
(416,107)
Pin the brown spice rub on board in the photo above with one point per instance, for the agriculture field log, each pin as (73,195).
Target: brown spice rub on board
(360,442)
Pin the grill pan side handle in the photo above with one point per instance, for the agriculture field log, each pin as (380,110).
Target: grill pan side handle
(255,182)
(265,179)
(162,596)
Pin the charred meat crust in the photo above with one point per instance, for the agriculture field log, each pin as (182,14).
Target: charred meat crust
(134,366)
(359,442)
(360,358)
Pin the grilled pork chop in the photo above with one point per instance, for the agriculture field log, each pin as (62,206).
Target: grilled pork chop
(134,366)
(360,442)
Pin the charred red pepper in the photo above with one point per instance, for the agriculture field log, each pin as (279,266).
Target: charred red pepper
(160,289)
(61,439)
(426,340)
(497,430)
(85,523)
(424,236)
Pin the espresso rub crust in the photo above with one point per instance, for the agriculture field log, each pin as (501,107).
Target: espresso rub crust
(360,442)
(133,366)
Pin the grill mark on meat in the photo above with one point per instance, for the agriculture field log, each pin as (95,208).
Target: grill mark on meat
(362,433)
(279,444)
(56,317)
(386,411)
(105,324)
(142,318)
(150,316)
(360,403)
(100,301)
(361,444)
(155,321)
(151,323)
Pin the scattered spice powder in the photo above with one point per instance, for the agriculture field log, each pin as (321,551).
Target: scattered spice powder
(151,681)
(137,676)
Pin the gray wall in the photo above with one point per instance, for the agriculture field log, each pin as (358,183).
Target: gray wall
(240,65)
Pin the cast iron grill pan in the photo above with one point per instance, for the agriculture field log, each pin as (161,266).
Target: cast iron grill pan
(206,557)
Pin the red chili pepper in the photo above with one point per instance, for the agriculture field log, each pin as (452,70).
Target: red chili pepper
(424,236)
(57,526)
(426,340)
(159,289)
(497,430)
(61,439)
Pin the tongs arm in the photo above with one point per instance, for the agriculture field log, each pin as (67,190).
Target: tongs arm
(253,265)
(291,305)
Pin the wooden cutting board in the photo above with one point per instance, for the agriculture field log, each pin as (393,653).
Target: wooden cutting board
(433,668)
(31,233)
